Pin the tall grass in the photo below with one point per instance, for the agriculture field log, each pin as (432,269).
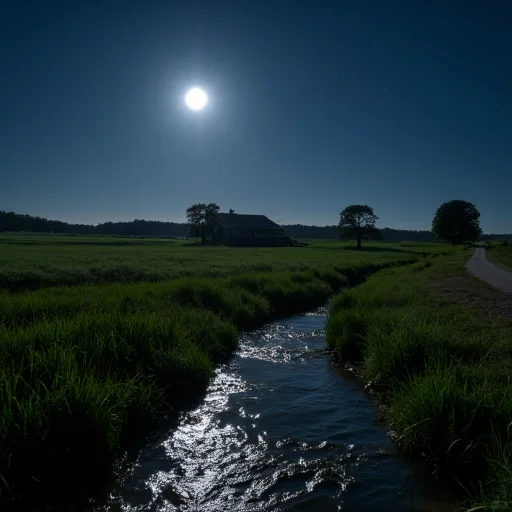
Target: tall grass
(501,254)
(73,390)
(444,372)
(85,371)
(35,262)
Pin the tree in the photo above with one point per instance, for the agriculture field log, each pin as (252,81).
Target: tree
(357,221)
(457,221)
(200,217)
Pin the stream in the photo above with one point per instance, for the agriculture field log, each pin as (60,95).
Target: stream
(280,428)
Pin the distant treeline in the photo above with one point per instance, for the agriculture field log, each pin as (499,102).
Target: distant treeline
(331,232)
(10,221)
(495,236)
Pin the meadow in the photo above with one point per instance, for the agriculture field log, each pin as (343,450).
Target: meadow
(436,343)
(502,255)
(29,262)
(102,338)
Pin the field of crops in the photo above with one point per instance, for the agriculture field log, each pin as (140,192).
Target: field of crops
(101,337)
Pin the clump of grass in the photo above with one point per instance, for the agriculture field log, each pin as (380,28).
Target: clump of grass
(399,346)
(80,387)
(497,494)
(454,414)
(346,334)
(56,416)
(346,299)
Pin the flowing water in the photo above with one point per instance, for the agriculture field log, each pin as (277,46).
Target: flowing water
(280,428)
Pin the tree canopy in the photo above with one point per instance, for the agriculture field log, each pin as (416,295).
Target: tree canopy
(457,221)
(356,222)
(200,217)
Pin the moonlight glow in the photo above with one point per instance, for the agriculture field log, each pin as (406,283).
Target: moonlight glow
(196,99)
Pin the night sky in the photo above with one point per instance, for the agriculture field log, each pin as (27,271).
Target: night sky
(313,105)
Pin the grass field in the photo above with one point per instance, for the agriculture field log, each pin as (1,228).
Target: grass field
(29,262)
(437,343)
(101,337)
(502,255)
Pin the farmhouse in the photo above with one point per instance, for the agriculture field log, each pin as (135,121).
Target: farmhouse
(240,229)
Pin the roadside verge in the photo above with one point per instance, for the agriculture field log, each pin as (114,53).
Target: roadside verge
(436,343)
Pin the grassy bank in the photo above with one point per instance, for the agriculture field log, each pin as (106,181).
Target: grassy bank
(437,344)
(501,254)
(86,371)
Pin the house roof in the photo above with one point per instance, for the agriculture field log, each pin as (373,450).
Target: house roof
(243,221)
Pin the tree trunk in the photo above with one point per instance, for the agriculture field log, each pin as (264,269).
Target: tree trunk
(202,235)
(359,242)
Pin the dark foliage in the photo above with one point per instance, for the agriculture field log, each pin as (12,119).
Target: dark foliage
(357,221)
(200,217)
(10,221)
(457,221)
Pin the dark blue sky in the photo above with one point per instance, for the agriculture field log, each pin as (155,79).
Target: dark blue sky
(314,105)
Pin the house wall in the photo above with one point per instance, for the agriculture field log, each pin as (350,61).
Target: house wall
(234,233)
(266,233)
(235,236)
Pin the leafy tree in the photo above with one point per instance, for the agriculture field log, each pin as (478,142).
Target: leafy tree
(357,221)
(457,221)
(200,217)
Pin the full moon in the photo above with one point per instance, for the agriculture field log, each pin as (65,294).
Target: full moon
(196,99)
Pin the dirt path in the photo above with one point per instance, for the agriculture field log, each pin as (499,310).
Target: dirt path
(482,268)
